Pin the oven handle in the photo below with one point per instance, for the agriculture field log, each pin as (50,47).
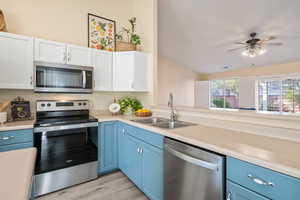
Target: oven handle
(65,127)
(190,159)
(84,79)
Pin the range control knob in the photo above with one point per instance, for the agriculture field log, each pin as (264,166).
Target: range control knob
(84,104)
(48,104)
(43,105)
(79,104)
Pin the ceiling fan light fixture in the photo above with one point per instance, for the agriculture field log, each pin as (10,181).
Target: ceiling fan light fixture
(254,51)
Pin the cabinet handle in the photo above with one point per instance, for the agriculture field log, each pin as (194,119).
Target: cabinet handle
(6,137)
(31,82)
(69,57)
(260,181)
(138,150)
(141,151)
(228,196)
(65,56)
(123,131)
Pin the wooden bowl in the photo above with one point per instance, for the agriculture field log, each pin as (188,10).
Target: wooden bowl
(143,114)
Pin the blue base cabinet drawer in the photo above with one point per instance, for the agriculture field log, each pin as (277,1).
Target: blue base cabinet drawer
(146,136)
(15,137)
(236,192)
(266,182)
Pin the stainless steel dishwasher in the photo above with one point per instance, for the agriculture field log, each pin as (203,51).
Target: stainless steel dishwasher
(191,173)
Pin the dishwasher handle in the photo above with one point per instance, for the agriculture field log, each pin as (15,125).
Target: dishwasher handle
(190,159)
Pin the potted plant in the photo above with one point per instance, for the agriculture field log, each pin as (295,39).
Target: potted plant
(129,105)
(127,39)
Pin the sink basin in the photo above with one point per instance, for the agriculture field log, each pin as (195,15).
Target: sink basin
(172,125)
(151,120)
(163,123)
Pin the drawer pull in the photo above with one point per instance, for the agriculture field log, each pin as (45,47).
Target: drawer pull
(260,181)
(6,137)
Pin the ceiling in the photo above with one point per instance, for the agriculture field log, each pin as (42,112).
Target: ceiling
(197,34)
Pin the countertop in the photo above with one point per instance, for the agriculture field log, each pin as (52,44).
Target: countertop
(18,125)
(273,153)
(16,170)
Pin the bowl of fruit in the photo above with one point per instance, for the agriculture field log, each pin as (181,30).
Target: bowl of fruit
(143,113)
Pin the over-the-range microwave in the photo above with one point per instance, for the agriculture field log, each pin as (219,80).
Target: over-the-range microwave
(62,78)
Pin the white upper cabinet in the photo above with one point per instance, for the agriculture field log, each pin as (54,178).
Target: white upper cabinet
(78,55)
(56,52)
(131,71)
(49,51)
(16,61)
(103,72)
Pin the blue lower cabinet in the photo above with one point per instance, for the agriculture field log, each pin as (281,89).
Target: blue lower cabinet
(152,171)
(108,150)
(266,182)
(237,192)
(141,161)
(17,139)
(133,162)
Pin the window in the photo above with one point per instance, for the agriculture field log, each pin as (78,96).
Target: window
(224,94)
(282,96)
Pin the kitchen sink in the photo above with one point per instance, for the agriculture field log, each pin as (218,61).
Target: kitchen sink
(163,123)
(151,120)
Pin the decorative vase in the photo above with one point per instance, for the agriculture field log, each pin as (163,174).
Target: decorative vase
(2,22)
(125,46)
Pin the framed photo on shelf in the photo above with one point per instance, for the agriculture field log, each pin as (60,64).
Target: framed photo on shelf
(101,33)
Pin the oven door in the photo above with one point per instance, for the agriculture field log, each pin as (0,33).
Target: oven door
(65,146)
(51,77)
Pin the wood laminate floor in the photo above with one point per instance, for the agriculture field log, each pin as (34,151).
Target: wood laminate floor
(115,186)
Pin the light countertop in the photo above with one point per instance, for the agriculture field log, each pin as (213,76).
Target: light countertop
(16,171)
(273,153)
(18,125)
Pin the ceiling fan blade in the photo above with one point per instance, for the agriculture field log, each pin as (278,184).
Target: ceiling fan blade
(267,39)
(275,44)
(235,49)
(243,43)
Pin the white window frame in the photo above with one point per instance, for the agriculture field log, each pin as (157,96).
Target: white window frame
(209,96)
(274,78)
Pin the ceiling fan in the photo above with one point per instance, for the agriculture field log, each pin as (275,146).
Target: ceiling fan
(255,46)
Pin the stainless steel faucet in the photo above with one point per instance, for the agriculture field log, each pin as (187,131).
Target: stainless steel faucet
(171,105)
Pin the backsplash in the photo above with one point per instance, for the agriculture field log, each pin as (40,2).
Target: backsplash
(98,100)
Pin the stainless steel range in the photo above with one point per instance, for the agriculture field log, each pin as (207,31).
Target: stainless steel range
(65,137)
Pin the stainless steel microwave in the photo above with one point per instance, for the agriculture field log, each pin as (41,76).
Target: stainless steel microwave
(62,78)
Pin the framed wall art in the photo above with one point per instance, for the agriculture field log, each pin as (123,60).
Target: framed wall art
(101,33)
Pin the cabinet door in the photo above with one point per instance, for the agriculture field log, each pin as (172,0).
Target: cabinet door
(16,57)
(141,71)
(78,55)
(237,192)
(49,51)
(152,172)
(122,148)
(133,160)
(103,72)
(108,147)
(123,71)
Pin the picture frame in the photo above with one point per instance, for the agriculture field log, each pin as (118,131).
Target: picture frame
(101,33)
